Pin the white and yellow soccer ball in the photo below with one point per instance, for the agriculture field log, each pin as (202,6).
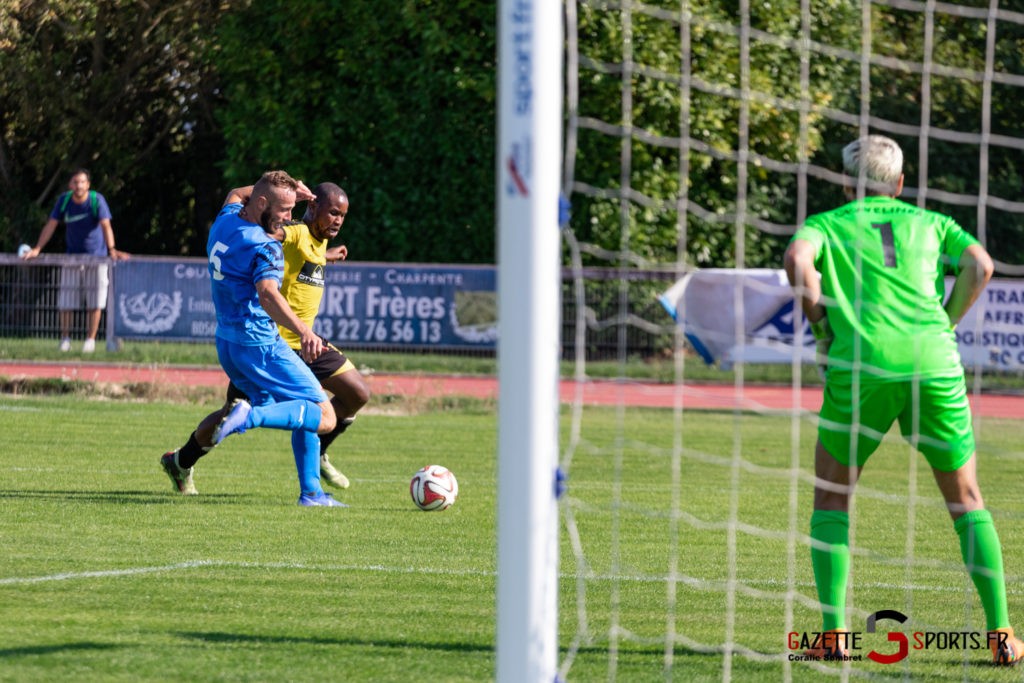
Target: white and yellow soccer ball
(434,488)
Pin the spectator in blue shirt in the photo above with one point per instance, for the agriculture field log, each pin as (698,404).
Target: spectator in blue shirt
(86,216)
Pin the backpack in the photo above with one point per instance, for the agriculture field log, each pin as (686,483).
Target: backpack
(93,201)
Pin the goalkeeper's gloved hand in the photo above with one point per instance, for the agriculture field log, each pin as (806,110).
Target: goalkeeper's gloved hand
(823,335)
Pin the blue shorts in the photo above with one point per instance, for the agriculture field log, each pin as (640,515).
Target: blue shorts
(270,373)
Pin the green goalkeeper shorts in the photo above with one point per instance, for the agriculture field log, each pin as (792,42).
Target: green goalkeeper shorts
(937,422)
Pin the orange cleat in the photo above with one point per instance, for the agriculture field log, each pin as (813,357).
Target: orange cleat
(1007,649)
(833,644)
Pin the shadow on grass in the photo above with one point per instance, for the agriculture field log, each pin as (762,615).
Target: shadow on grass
(136,497)
(237,638)
(218,637)
(54,649)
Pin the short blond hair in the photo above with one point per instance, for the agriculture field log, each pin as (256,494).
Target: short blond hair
(881,160)
(274,180)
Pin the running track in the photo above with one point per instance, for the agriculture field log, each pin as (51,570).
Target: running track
(592,392)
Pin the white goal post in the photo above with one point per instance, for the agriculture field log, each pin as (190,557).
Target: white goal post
(528,176)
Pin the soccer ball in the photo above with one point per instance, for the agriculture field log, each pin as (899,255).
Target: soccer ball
(433,488)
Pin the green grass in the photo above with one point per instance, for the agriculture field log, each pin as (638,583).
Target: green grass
(106,574)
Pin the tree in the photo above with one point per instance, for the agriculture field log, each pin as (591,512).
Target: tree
(712,115)
(957,105)
(393,100)
(114,86)
(711,118)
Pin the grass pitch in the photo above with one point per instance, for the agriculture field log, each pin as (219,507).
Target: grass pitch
(107,574)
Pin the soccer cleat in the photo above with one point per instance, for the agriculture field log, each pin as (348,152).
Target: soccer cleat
(330,473)
(89,346)
(832,646)
(321,499)
(181,478)
(65,344)
(234,421)
(1007,649)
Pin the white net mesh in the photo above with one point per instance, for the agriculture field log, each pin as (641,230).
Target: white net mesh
(702,135)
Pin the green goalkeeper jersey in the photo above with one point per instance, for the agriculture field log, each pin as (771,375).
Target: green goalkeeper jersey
(882,265)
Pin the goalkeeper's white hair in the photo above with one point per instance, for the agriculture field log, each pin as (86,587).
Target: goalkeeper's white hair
(882,162)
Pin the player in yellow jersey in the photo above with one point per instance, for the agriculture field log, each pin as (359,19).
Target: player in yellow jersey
(305,255)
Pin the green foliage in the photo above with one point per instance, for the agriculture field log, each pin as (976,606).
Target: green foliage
(712,119)
(393,100)
(114,86)
(170,103)
(957,104)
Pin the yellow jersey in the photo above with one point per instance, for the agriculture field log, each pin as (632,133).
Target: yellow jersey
(303,283)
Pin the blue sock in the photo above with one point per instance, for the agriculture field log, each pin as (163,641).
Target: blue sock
(306,446)
(297,414)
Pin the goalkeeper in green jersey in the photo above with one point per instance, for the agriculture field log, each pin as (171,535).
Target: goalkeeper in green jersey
(887,338)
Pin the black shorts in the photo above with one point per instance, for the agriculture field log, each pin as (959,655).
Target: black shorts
(330,363)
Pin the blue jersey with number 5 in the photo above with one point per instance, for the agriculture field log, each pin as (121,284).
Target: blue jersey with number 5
(241,254)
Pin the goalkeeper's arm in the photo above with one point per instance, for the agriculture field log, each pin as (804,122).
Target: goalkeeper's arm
(806,284)
(804,279)
(976,270)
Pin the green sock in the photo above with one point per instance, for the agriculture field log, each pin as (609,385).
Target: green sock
(979,545)
(831,567)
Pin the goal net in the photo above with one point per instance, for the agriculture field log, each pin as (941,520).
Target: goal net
(699,136)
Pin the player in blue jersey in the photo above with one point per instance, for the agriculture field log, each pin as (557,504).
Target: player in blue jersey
(246,266)
(305,254)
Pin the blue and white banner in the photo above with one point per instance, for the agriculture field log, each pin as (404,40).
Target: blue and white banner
(165,299)
(991,335)
(734,315)
(390,305)
(731,315)
(409,305)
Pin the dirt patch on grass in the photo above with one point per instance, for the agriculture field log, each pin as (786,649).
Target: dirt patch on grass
(128,391)
(380,404)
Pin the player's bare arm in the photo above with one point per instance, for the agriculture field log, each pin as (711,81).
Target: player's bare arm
(279,311)
(108,235)
(976,270)
(303,193)
(44,237)
(334,254)
(799,265)
(239,195)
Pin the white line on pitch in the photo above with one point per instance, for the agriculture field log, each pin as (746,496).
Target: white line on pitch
(112,572)
(256,565)
(192,564)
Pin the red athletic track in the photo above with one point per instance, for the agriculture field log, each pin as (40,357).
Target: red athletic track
(596,392)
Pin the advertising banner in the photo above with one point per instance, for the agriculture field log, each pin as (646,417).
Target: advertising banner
(731,315)
(991,335)
(165,299)
(364,304)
